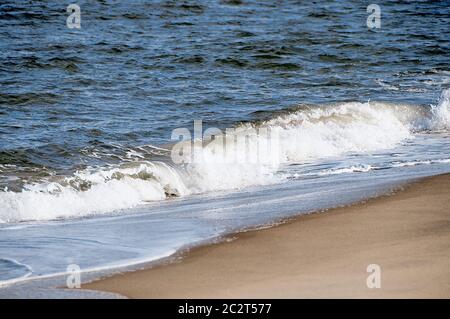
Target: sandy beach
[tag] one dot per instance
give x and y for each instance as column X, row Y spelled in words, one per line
column 323, row 255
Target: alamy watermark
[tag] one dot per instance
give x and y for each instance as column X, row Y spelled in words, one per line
column 240, row 145
column 74, row 276
column 74, row 19
column 374, row 279
column 374, row 19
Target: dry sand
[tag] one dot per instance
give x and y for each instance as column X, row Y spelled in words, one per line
column 322, row 255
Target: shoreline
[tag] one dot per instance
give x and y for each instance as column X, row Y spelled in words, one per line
column 323, row 254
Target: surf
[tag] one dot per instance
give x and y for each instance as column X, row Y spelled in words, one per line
column 305, row 134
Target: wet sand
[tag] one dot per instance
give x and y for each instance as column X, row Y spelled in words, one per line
column 320, row 255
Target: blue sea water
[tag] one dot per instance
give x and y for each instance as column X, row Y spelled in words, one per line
column 87, row 115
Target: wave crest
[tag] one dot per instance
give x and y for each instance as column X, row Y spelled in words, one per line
column 309, row 133
column 441, row 112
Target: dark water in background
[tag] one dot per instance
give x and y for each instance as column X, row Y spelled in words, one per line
column 138, row 69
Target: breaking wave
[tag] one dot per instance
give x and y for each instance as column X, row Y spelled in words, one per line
column 305, row 134
column 441, row 112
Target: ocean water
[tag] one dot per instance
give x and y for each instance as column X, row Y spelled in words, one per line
column 87, row 120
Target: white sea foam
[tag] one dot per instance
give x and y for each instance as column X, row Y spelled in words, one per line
column 441, row 112
column 343, row 170
column 92, row 192
column 418, row 162
column 307, row 134
column 334, row 130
